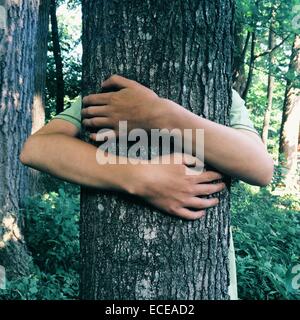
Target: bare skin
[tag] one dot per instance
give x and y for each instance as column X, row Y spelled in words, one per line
column 237, row 153
column 55, row 149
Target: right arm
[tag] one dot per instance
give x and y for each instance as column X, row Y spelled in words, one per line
column 55, row 149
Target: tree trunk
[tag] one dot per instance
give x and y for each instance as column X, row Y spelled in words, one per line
column 239, row 73
column 251, row 66
column 267, row 116
column 16, row 94
column 41, row 49
column 183, row 51
column 290, row 120
column 60, row 84
column 40, row 71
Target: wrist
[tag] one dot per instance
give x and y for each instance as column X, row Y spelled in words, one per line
column 132, row 181
column 169, row 114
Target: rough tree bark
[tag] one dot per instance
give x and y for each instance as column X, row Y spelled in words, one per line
column 16, row 96
column 183, row 51
column 290, row 119
column 60, row 84
column 267, row 116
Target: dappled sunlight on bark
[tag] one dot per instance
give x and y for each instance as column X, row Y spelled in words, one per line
column 11, row 230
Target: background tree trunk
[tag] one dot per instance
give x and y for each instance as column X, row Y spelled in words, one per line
column 241, row 44
column 183, row 51
column 239, row 73
column 251, row 66
column 40, row 72
column 290, row 119
column 16, row 95
column 267, row 116
column 60, row 84
column 41, row 49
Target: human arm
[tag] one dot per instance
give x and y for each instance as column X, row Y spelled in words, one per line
column 235, row 152
column 55, row 149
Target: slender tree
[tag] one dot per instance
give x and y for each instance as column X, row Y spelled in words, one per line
column 40, row 71
column 60, row 84
column 251, row 65
column 41, row 49
column 16, row 96
column 290, row 119
column 183, row 51
column 267, row 116
column 239, row 72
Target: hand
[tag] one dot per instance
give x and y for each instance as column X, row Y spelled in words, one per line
column 175, row 188
column 136, row 104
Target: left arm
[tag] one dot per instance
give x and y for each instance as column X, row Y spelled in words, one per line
column 235, row 152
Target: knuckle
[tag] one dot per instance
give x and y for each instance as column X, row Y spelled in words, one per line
column 193, row 216
column 113, row 99
column 93, row 122
column 192, row 190
column 181, row 201
column 87, row 111
column 207, row 190
column 114, row 77
column 202, row 203
column 109, row 97
column 173, row 210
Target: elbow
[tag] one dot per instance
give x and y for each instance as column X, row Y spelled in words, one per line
column 25, row 155
column 266, row 172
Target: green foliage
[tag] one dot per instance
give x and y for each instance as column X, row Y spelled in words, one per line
column 43, row 286
column 52, row 222
column 266, row 235
column 52, row 235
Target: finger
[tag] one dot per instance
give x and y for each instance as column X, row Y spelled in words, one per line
column 192, row 161
column 102, row 136
column 117, row 82
column 97, row 111
column 200, row 203
column 97, row 99
column 208, row 176
column 189, row 214
column 195, row 171
column 188, row 160
column 208, row 189
column 98, row 122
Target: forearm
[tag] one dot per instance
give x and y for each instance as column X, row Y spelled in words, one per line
column 231, row 151
column 72, row 160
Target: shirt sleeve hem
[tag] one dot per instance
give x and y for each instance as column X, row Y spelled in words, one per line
column 70, row 119
column 244, row 127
